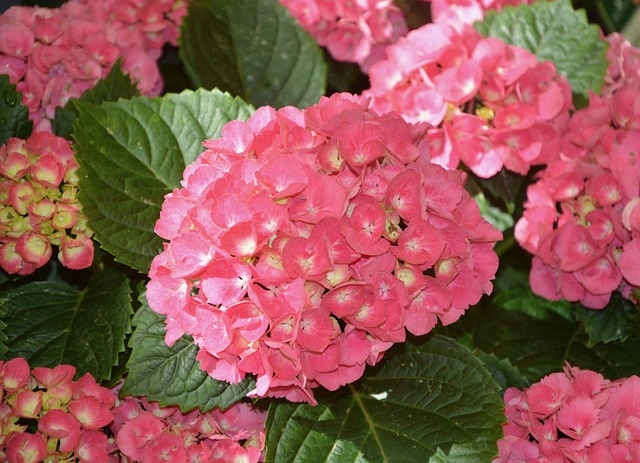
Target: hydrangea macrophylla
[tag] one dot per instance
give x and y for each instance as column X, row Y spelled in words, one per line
column 572, row 416
column 56, row 54
column 592, row 246
column 490, row 105
column 304, row 242
column 69, row 414
column 145, row 432
column 352, row 31
column 38, row 205
column 80, row 421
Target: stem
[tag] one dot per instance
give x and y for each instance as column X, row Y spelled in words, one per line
column 505, row 245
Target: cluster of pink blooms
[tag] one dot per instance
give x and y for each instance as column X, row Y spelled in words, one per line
column 70, row 414
column 80, row 421
column 354, row 31
column 582, row 216
column 145, row 432
column 490, row 105
column 574, row 416
column 305, row 242
column 460, row 13
column 38, row 205
column 53, row 55
column 624, row 64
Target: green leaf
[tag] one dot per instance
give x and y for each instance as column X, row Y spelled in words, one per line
column 51, row 323
column 132, row 153
column 554, row 31
column 14, row 116
column 253, row 49
column 505, row 185
column 523, row 300
column 435, row 399
column 172, row 375
column 116, row 85
column 501, row 220
column 539, row 346
column 514, row 293
column 538, row 336
column 610, row 323
column 502, row 371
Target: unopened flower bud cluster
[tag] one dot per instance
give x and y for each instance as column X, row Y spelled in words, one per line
column 38, row 206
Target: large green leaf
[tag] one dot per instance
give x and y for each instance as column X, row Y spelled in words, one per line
column 14, row 116
column 538, row 347
column 538, row 336
column 514, row 293
column 51, row 323
column 172, row 376
column 505, row 186
column 116, row 85
column 435, row 399
column 502, row 371
column 253, row 49
column 554, row 31
column 611, row 323
column 132, row 153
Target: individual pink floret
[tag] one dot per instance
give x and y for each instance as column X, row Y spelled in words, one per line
column 304, row 243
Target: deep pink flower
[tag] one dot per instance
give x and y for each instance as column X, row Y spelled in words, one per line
column 136, row 434
column 26, row 448
column 146, row 432
column 581, row 218
column 572, row 416
column 334, row 225
column 60, row 425
column 15, row 374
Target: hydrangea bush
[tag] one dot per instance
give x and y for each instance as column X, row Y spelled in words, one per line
column 418, row 244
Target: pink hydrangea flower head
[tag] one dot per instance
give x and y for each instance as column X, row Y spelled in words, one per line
column 53, row 55
column 355, row 32
column 592, row 419
column 38, row 206
column 336, row 240
column 146, row 432
column 79, row 421
column 491, row 105
column 581, row 220
column 64, row 427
